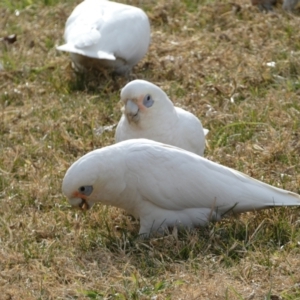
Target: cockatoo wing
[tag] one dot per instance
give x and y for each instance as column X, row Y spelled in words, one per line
column 174, row 179
column 82, row 44
column 190, row 134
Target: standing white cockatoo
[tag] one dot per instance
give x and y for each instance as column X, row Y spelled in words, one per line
column 166, row 186
column 149, row 113
column 102, row 34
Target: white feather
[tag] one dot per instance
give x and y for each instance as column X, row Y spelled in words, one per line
column 162, row 122
column 107, row 34
column 166, row 186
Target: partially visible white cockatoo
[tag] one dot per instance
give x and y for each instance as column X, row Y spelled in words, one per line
column 104, row 34
column 149, row 113
column 166, row 186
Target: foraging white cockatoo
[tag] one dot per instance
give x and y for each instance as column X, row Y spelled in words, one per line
column 149, row 113
column 166, row 186
column 102, row 34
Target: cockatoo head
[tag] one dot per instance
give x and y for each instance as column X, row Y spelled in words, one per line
column 79, row 181
column 89, row 180
column 143, row 101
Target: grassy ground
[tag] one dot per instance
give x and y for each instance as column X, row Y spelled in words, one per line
column 211, row 58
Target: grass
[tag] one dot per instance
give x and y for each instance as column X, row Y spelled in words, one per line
column 211, row 59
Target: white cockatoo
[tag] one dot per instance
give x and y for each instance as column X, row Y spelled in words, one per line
column 149, row 113
column 166, row 186
column 102, row 34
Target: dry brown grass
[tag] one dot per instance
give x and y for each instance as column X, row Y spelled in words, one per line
column 210, row 57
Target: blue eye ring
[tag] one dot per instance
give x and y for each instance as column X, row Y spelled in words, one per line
column 148, row 101
column 86, row 190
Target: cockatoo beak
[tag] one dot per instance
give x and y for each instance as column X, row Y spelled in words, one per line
column 79, row 201
column 132, row 111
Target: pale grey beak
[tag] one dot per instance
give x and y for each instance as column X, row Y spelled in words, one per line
column 132, row 111
column 80, row 203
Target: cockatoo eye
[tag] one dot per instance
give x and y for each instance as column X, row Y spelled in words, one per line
column 86, row 190
column 148, row 101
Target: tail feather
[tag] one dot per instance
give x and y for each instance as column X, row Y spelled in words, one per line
column 268, row 198
column 291, row 199
column 206, row 131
